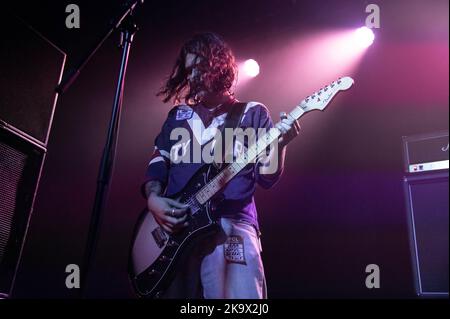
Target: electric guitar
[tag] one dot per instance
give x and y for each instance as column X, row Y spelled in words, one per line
column 155, row 254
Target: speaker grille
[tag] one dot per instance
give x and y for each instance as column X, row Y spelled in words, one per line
column 12, row 164
column 427, row 197
column 20, row 167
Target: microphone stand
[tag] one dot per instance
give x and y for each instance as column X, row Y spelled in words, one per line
column 125, row 23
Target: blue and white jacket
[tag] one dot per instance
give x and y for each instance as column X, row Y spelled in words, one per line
column 201, row 123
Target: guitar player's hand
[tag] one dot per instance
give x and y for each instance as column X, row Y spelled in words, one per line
column 170, row 214
column 289, row 128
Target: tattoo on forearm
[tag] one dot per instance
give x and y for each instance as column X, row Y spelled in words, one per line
column 153, row 187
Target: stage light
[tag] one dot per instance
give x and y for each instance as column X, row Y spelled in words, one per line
column 364, row 37
column 251, row 68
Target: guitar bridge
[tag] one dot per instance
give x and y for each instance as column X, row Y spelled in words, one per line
column 159, row 236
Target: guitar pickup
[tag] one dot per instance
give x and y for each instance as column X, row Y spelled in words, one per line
column 160, row 236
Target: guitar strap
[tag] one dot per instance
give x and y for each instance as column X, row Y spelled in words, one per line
column 232, row 120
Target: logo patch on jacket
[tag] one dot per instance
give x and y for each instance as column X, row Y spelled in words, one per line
column 233, row 250
column 184, row 114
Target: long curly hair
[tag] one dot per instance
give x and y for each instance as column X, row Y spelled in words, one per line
column 216, row 67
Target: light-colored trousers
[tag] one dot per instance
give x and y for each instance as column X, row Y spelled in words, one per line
column 227, row 265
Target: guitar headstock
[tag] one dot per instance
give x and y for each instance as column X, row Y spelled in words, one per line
column 320, row 99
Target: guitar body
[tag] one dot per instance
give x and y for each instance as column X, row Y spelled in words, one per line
column 155, row 255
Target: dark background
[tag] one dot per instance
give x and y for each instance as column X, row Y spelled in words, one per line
column 340, row 204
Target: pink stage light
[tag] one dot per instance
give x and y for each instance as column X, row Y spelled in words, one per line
column 251, row 68
column 302, row 65
column 364, row 37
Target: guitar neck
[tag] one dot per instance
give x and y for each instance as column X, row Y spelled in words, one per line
column 250, row 156
column 317, row 101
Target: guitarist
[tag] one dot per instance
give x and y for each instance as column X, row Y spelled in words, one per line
column 228, row 264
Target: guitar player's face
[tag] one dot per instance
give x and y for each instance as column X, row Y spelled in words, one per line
column 190, row 65
column 194, row 79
